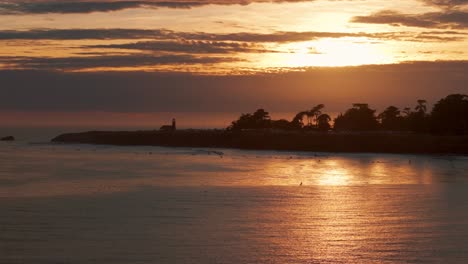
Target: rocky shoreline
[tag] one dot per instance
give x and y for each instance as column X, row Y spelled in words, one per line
column 7, row 138
column 404, row 143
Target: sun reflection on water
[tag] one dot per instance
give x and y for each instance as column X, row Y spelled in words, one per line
column 340, row 171
column 89, row 169
column 335, row 177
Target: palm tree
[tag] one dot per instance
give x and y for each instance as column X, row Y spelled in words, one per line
column 315, row 112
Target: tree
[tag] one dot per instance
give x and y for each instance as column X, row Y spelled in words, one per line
column 309, row 116
column 407, row 111
column 323, row 122
column 450, row 115
column 282, row 124
column 421, row 107
column 418, row 121
column 312, row 117
column 315, row 112
column 391, row 119
column 261, row 115
column 297, row 121
column 358, row 118
column 259, row 119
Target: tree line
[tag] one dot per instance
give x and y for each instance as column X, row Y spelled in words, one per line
column 448, row 116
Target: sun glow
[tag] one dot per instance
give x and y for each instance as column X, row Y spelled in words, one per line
column 337, row 52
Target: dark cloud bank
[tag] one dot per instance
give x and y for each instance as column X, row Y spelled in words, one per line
column 197, row 47
column 446, row 3
column 450, row 16
column 13, row 7
column 18, row 7
column 137, row 60
column 163, row 34
column 451, row 19
column 399, row 84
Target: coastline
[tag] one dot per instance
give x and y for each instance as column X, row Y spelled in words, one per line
column 366, row 142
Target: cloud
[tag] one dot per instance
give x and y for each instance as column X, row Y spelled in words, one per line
column 279, row 36
column 12, row 7
column 162, row 34
column 189, row 46
column 443, row 20
column 77, row 34
column 446, row 3
column 17, row 7
column 137, row 60
column 20, row 7
column 425, row 36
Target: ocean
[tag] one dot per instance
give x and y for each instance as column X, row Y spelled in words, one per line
column 108, row 204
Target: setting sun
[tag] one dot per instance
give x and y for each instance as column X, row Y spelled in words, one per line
column 349, row 52
column 330, row 52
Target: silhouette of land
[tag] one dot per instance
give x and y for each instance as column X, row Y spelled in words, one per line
column 7, row 138
column 280, row 140
column 444, row 130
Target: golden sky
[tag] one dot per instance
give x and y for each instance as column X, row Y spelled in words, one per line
column 219, row 36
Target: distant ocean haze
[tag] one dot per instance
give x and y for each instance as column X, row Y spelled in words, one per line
column 104, row 120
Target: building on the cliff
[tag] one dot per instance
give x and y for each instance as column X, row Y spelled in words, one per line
column 169, row 128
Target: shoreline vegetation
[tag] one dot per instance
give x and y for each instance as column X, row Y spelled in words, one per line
column 442, row 131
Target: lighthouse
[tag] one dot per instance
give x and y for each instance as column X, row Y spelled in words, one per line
column 169, row 128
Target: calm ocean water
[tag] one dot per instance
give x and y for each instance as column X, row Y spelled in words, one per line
column 107, row 204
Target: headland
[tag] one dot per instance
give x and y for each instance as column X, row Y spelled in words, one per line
column 373, row 142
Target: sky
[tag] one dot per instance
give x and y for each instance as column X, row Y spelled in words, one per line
column 142, row 62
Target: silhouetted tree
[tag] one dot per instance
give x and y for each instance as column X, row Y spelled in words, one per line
column 359, row 118
column 391, row 119
column 261, row 115
column 281, row 124
column 311, row 115
column 323, row 122
column 314, row 113
column 241, row 123
column 450, row 115
column 259, row 119
column 297, row 122
column 418, row 121
column 406, row 111
column 421, row 107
